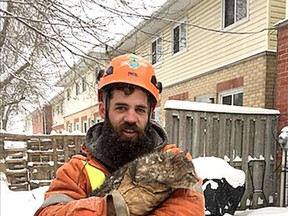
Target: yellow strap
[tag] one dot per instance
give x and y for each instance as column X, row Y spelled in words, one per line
column 96, row 176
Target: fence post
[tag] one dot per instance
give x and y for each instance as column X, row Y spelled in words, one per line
column 182, row 130
column 2, row 154
column 197, row 148
column 168, row 124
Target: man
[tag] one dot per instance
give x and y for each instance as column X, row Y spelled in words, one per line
column 128, row 92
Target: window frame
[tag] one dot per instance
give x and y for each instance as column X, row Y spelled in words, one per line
column 84, row 84
column 231, row 92
column 159, row 53
column 68, row 94
column 182, row 22
column 235, row 22
column 76, row 126
column 77, row 89
column 85, row 126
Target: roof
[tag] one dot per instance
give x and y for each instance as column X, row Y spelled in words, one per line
column 95, row 57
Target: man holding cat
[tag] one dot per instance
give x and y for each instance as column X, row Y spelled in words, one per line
column 128, row 92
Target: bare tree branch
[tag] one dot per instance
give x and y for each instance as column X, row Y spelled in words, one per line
column 39, row 40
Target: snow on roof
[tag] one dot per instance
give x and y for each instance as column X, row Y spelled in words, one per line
column 14, row 144
column 219, row 108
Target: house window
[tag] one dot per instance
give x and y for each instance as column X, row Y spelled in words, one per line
column 233, row 97
column 69, row 127
column 84, row 127
column 61, row 109
column 83, row 84
column 58, row 110
column 77, row 88
column 68, row 94
column 179, row 37
column 76, row 126
column 156, row 50
column 234, row 11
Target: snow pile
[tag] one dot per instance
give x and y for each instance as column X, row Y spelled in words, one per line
column 19, row 202
column 217, row 168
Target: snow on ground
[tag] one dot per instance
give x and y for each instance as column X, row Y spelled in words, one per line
column 268, row 211
column 23, row 203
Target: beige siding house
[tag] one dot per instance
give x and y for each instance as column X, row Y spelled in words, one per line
column 219, row 51
column 76, row 108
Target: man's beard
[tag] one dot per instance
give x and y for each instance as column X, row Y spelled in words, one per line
column 115, row 150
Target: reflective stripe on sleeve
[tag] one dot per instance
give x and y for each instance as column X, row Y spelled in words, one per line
column 55, row 199
column 96, row 176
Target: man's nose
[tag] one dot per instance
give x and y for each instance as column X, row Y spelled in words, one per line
column 130, row 116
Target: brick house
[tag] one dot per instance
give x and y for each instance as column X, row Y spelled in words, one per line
column 75, row 108
column 42, row 120
column 282, row 71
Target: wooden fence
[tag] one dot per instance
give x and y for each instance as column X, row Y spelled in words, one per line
column 243, row 136
column 32, row 161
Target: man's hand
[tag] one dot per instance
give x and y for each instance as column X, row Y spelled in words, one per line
column 138, row 199
column 149, row 180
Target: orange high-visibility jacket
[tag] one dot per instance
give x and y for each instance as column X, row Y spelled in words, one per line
column 67, row 194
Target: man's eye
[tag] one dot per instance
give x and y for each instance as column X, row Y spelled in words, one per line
column 140, row 110
column 120, row 108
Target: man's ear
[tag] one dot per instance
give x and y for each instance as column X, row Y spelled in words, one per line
column 102, row 109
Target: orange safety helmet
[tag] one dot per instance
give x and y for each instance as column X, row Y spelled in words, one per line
column 130, row 69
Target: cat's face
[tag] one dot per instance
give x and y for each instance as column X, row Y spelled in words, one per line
column 173, row 170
